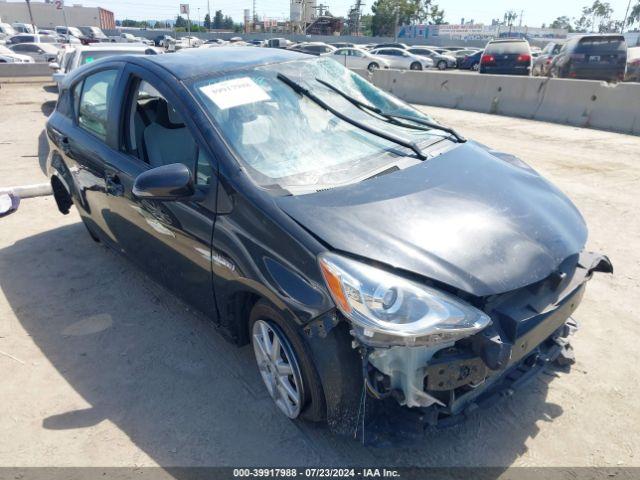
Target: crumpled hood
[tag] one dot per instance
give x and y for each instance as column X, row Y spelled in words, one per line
column 479, row 222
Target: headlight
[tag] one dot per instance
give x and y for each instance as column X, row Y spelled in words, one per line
column 391, row 310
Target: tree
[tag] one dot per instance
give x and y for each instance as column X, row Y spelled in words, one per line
column 227, row 23
column 180, row 22
column 510, row 16
column 218, row 19
column 407, row 12
column 436, row 15
column 365, row 25
column 634, row 15
column 207, row 22
column 596, row 17
column 562, row 22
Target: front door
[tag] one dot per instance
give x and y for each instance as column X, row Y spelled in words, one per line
column 169, row 239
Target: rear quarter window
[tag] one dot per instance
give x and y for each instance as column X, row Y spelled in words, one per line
column 63, row 106
column 507, row 48
column 93, row 110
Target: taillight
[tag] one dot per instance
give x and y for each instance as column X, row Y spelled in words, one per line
column 487, row 59
column 524, row 58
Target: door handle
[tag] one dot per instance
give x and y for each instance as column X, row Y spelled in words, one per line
column 64, row 145
column 113, row 184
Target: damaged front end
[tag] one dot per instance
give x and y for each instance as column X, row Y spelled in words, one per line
column 443, row 356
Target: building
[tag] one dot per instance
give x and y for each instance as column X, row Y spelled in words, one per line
column 46, row 15
column 303, row 11
column 478, row 31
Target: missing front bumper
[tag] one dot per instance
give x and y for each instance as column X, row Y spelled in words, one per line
column 454, row 405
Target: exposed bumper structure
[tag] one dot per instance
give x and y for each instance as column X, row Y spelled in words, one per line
column 530, row 329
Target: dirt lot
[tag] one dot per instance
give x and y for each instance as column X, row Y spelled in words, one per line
column 101, row 366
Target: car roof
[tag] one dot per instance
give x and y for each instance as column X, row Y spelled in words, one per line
column 39, row 44
column 113, row 46
column 197, row 62
column 509, row 40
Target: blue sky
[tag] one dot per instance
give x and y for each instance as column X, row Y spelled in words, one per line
column 535, row 12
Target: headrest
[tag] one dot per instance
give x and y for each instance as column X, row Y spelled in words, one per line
column 167, row 116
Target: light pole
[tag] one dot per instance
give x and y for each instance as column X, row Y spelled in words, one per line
column 395, row 24
column 33, row 25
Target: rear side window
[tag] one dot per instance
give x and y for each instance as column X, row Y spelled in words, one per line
column 64, row 103
column 601, row 45
column 507, row 48
column 93, row 110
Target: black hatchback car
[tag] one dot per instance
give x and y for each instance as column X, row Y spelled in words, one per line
column 506, row 57
column 344, row 234
column 592, row 57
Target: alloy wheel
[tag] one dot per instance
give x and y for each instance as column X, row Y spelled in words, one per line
column 278, row 367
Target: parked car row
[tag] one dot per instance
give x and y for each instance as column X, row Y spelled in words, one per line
column 71, row 58
column 24, row 33
column 589, row 57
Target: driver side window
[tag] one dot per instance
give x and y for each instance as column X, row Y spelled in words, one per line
column 158, row 135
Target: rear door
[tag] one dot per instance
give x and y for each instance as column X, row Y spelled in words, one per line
column 170, row 240
column 85, row 142
column 394, row 57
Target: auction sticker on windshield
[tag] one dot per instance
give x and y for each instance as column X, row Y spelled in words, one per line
column 235, row 92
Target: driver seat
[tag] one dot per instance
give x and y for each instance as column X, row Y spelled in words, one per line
column 167, row 139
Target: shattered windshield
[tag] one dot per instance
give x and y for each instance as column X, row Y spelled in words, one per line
column 284, row 139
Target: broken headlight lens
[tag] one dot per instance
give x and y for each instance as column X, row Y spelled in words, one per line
column 388, row 309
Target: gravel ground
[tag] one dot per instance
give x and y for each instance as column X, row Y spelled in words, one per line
column 101, row 366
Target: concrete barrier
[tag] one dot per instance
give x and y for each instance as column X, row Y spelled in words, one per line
column 29, row 191
column 13, row 70
column 581, row 103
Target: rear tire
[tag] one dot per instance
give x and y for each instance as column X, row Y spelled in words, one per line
column 415, row 66
column 442, row 65
column 475, row 67
column 373, row 66
column 312, row 404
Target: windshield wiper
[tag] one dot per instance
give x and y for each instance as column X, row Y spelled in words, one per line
column 296, row 87
column 393, row 117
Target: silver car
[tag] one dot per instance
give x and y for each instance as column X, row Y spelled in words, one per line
column 40, row 52
column 9, row 56
column 359, row 59
column 441, row 61
column 403, row 59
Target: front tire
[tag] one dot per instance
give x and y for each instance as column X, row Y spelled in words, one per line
column 475, row 67
column 442, row 65
column 415, row 66
column 285, row 364
column 373, row 66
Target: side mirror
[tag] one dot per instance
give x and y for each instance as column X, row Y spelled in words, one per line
column 54, row 66
column 168, row 182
